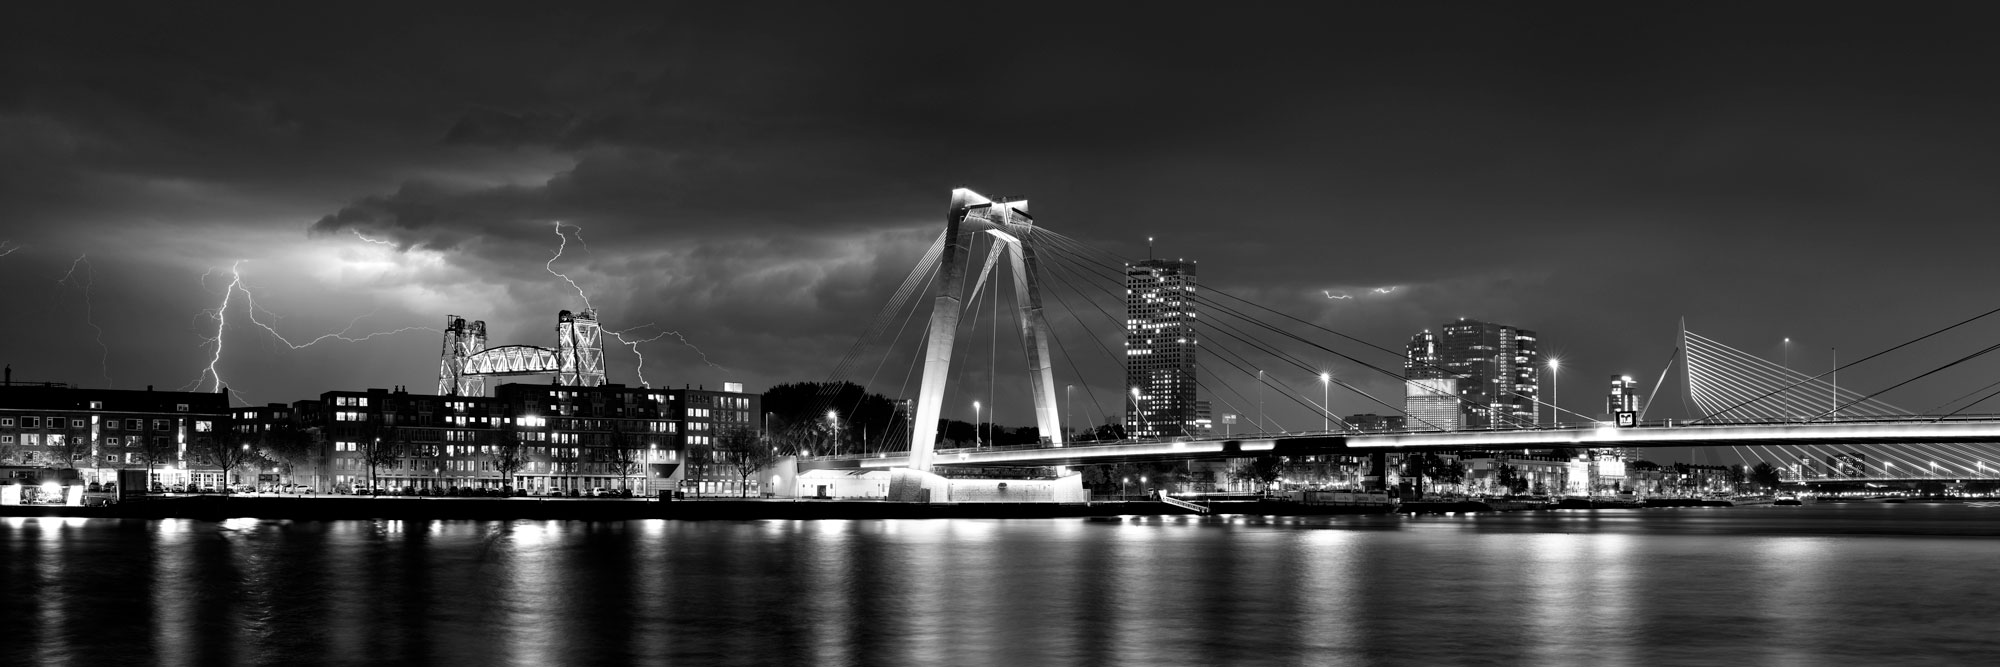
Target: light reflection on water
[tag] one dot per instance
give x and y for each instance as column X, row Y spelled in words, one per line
column 1825, row 584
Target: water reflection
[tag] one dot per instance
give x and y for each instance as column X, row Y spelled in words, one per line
column 1602, row 588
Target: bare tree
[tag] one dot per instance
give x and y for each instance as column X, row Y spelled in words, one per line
column 746, row 452
column 290, row 449
column 155, row 451
column 508, row 452
column 222, row 453
column 622, row 459
column 65, row 450
column 699, row 457
column 381, row 452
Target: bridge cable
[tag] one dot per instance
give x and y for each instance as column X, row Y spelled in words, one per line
column 1898, row 347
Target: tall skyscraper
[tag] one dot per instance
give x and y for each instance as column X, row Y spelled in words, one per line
column 1624, row 396
column 1160, row 349
column 1495, row 367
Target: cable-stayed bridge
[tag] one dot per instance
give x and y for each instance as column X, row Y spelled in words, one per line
column 1052, row 338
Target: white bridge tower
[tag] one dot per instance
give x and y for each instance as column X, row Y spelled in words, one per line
column 1013, row 229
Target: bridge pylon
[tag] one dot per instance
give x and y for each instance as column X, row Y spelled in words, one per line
column 1012, row 228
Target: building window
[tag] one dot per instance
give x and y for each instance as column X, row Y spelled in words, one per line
column 135, row 424
column 204, row 426
column 7, row 421
column 180, row 407
column 161, row 425
column 6, row 439
column 31, row 422
column 77, row 423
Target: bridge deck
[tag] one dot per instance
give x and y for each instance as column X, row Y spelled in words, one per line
column 1880, row 432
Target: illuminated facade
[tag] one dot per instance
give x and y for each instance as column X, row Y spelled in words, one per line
column 1160, row 348
column 55, row 431
column 538, row 438
column 1432, row 404
column 1495, row 366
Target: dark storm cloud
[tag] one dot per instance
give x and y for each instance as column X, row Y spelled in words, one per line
column 761, row 176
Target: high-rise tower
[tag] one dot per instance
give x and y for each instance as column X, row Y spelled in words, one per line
column 1160, row 347
column 1624, row 396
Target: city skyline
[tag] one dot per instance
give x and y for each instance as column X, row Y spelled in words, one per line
column 753, row 195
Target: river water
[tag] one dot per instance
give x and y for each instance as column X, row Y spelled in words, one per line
column 1826, row 584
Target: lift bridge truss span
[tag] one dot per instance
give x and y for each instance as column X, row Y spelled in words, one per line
column 576, row 360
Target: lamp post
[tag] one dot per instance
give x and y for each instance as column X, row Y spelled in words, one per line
column 1555, row 392
column 1260, row 400
column 833, row 422
column 1788, row 379
column 1326, row 411
column 1123, row 492
column 1135, row 414
column 975, row 425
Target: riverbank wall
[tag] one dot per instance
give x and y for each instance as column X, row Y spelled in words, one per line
column 590, row 509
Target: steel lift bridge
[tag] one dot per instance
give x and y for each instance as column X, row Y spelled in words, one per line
column 576, row 360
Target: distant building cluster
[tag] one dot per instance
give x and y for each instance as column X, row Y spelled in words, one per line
column 1472, row 375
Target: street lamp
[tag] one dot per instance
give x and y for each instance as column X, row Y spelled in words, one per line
column 1260, row 400
column 975, row 425
column 1788, row 379
column 833, row 422
column 1555, row 392
column 1136, row 415
column 1326, row 411
column 1124, row 493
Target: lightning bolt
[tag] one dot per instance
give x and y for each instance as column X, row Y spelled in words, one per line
column 89, row 310
column 550, row 266
column 221, row 316
column 634, row 344
column 250, row 307
column 1343, row 295
column 357, row 234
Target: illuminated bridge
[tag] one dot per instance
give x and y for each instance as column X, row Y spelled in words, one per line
column 1959, row 435
column 1073, row 320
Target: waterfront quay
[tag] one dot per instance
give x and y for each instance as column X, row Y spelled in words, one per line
column 220, row 507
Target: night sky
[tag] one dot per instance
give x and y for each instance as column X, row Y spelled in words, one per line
column 759, row 178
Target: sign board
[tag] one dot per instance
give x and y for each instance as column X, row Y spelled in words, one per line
column 1627, row 419
column 1229, row 419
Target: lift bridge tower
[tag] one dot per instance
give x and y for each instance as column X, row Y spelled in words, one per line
column 577, row 360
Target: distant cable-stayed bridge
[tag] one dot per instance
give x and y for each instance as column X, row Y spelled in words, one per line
column 1062, row 313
